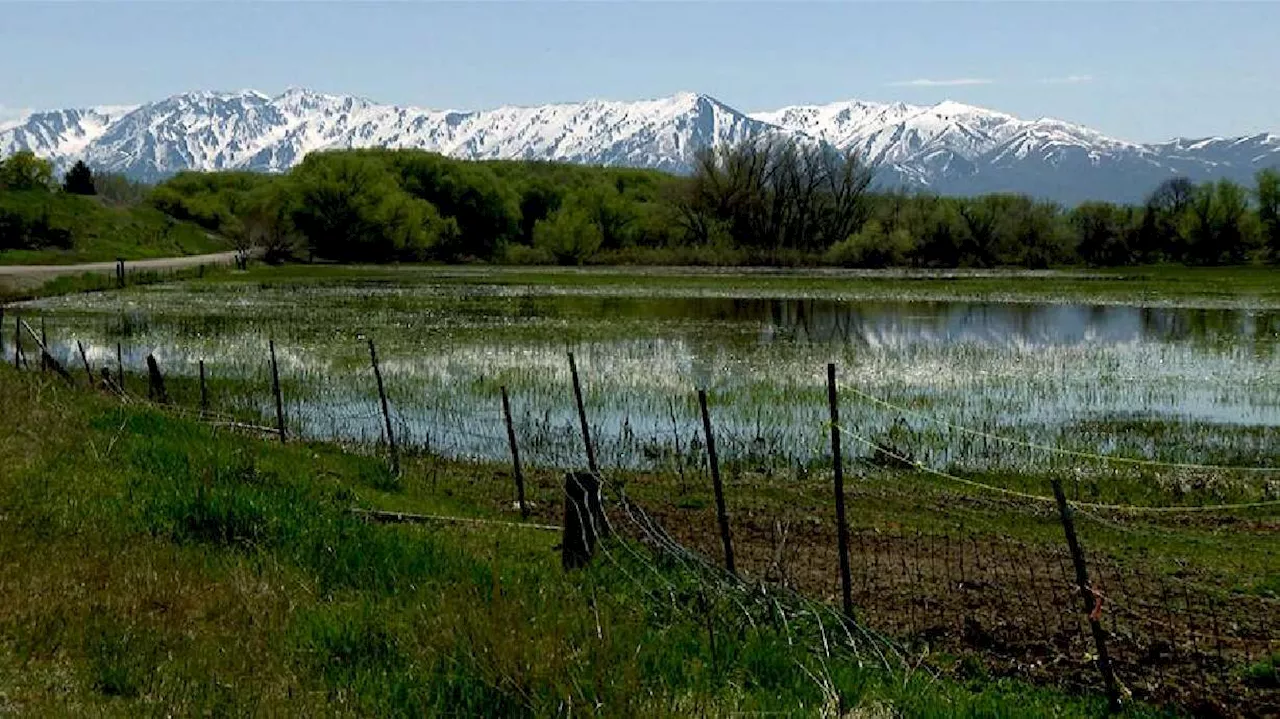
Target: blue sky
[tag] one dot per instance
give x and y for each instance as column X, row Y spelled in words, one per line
column 1138, row 71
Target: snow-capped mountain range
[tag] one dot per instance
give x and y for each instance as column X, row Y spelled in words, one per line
column 949, row 148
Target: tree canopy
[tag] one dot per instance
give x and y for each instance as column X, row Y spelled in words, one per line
column 766, row 201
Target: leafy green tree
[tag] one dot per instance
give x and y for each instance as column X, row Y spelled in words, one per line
column 350, row 208
column 486, row 210
column 1160, row 235
column 267, row 223
column 1269, row 209
column 874, row 246
column 116, row 189
column 537, row 201
column 79, row 180
column 24, row 171
column 1219, row 225
column 1102, row 233
column 569, row 235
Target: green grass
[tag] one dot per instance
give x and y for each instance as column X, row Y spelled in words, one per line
column 152, row 565
column 102, row 233
column 1165, row 284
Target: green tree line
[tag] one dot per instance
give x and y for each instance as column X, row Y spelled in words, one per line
column 761, row 202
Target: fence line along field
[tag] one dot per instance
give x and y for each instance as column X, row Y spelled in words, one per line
column 1160, row 424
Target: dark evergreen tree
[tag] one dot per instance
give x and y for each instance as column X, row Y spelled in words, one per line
column 79, row 180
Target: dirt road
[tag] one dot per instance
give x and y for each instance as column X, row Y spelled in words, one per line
column 165, row 263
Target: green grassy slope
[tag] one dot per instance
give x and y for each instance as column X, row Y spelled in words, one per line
column 101, row 233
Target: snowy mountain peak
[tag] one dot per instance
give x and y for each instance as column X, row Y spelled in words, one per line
column 948, row 147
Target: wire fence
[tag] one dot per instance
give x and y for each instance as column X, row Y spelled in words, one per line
column 1004, row 605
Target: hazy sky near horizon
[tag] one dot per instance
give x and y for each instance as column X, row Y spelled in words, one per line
column 1137, row 71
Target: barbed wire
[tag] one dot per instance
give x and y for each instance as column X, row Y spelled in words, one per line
column 1041, row 498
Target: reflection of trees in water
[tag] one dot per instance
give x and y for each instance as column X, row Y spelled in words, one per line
column 811, row 321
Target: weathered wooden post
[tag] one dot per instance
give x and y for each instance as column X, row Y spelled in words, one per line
column 722, row 515
column 578, row 543
column 582, row 417
column 119, row 272
column 47, row 358
column 1086, row 594
column 120, row 367
column 837, row 464
column 88, row 371
column 156, row 390
column 515, row 453
column 275, row 389
column 386, row 410
column 204, row 394
column 44, row 347
column 17, row 341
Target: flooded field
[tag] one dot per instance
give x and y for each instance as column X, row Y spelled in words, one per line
column 1171, row 381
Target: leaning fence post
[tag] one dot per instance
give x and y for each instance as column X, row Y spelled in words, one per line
column 1086, row 593
column 46, row 357
column 722, row 515
column 515, row 453
column 156, row 390
column 386, row 410
column 204, row 394
column 275, row 389
column 837, row 464
column 582, row 417
column 44, row 343
column 88, row 372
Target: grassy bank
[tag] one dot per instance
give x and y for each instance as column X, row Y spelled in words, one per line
column 96, row 232
column 155, row 566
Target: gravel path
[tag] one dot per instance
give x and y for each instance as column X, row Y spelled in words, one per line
column 166, row 263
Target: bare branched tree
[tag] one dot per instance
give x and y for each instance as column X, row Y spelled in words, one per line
column 776, row 193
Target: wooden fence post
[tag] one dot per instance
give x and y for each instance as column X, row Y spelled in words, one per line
column 722, row 515
column 120, row 367
column 275, row 389
column 582, row 417
column 88, row 371
column 602, row 526
column 156, row 390
column 1086, row 594
column 837, row 464
column 386, row 410
column 204, row 394
column 581, row 522
column 515, row 453
column 120, row 272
